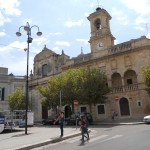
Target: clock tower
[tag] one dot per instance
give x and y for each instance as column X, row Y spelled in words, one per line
column 101, row 37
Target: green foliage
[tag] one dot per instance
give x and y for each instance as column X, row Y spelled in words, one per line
column 16, row 100
column 94, row 87
column 87, row 86
column 146, row 74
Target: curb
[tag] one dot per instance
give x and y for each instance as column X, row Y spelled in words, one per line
column 28, row 147
column 115, row 123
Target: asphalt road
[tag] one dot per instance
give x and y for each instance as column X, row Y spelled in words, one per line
column 123, row 137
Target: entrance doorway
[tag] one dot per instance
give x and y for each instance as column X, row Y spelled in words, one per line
column 44, row 112
column 124, row 107
column 67, row 111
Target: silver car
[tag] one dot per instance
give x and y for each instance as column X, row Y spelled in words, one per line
column 146, row 119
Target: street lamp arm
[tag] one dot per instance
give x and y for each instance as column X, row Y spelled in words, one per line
column 21, row 27
column 19, row 33
column 38, row 33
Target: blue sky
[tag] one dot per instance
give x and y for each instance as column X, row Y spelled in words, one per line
column 64, row 26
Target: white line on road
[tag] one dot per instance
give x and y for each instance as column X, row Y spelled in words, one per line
column 114, row 137
column 98, row 138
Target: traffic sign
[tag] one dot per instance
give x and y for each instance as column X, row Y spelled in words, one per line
column 116, row 98
column 75, row 102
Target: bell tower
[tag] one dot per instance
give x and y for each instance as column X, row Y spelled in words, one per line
column 101, row 37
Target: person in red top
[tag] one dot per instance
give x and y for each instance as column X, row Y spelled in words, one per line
column 84, row 130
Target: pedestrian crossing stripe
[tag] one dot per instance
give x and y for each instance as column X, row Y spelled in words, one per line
column 114, row 137
column 102, row 138
column 97, row 138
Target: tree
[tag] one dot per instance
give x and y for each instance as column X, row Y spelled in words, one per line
column 146, row 75
column 50, row 92
column 72, row 85
column 66, row 83
column 94, row 87
column 16, row 100
column 87, row 86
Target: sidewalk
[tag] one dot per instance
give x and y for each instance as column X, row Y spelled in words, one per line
column 123, row 121
column 43, row 135
column 37, row 136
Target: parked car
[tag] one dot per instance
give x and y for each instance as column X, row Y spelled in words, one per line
column 72, row 119
column 50, row 120
column 146, row 119
column 75, row 118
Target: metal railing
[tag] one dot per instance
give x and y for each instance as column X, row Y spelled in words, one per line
column 121, row 89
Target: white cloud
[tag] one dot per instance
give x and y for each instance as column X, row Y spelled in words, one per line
column 63, row 43
column 40, row 40
column 15, row 45
column 148, row 35
column 56, row 49
column 120, row 16
column 2, row 33
column 19, row 45
column 86, row 14
column 140, row 28
column 73, row 23
column 9, row 7
column 116, row 42
column 140, row 7
column 57, row 33
column 3, row 19
column 35, row 50
column 142, row 19
column 85, row 41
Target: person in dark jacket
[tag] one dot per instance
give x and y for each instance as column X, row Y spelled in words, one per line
column 61, row 123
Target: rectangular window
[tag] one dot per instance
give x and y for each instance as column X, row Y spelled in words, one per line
column 129, row 81
column 139, row 103
column 101, row 109
column 83, row 109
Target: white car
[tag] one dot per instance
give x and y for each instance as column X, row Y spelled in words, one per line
column 146, row 119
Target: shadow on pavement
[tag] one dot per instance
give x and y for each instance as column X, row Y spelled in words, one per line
column 6, row 131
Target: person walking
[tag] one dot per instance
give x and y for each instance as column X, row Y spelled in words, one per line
column 61, row 123
column 84, row 129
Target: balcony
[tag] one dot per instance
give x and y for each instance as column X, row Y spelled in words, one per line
column 127, row 88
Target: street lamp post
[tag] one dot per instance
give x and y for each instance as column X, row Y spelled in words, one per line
column 28, row 29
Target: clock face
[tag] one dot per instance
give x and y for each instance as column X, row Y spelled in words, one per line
column 99, row 46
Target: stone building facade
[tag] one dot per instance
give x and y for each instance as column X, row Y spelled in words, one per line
column 122, row 63
column 8, row 84
column 47, row 63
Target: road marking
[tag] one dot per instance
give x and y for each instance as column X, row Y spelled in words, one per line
column 75, row 139
column 102, row 138
column 111, row 138
column 95, row 139
column 98, row 138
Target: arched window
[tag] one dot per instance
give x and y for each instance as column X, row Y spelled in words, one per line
column 44, row 70
column 98, row 24
column 130, row 77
